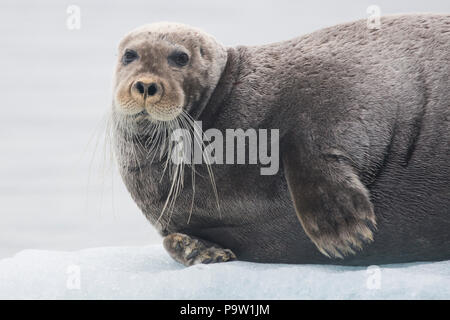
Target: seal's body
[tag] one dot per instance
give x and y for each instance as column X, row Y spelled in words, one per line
column 364, row 120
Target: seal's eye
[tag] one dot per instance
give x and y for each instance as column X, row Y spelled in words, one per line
column 129, row 56
column 179, row 58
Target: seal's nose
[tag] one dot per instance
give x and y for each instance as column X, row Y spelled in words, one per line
column 146, row 88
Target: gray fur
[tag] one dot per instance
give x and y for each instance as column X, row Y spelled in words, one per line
column 364, row 119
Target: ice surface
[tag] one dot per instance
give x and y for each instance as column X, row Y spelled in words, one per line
column 149, row 273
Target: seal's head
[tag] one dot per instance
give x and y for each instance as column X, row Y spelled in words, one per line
column 165, row 68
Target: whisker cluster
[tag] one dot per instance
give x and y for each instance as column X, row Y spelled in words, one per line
column 137, row 140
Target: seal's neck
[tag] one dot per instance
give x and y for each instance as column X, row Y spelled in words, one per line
column 224, row 87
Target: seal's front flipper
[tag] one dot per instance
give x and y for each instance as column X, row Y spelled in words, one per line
column 331, row 202
column 190, row 251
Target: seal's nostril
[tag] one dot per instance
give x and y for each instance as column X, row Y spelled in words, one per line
column 152, row 89
column 140, row 87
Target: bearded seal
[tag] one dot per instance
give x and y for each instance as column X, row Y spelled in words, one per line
column 364, row 142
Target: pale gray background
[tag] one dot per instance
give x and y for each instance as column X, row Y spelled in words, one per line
column 55, row 88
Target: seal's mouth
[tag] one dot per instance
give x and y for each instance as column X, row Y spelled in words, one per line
column 141, row 115
column 136, row 110
column 167, row 114
column 153, row 113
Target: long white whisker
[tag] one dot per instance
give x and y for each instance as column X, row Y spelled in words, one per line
column 127, row 133
column 198, row 134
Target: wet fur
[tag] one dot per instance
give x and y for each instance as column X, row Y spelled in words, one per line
column 364, row 119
